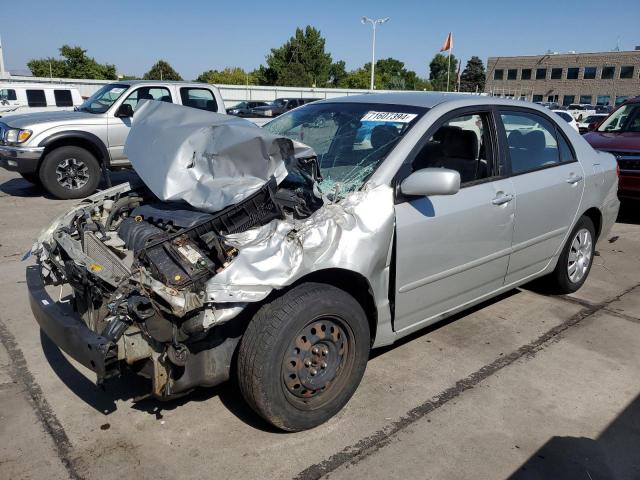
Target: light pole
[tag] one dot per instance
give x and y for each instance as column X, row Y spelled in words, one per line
column 373, row 23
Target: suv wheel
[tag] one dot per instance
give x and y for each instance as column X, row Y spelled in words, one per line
column 70, row 172
column 303, row 356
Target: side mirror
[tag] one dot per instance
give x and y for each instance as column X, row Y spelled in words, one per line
column 592, row 126
column 431, row 181
column 125, row 110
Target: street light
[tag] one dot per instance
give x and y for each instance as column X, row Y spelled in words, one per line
column 373, row 23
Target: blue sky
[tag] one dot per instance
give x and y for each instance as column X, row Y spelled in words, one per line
column 199, row 35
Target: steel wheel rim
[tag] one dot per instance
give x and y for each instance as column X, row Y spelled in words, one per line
column 72, row 174
column 315, row 359
column 580, row 253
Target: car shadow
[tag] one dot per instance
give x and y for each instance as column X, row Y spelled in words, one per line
column 611, row 455
column 629, row 212
column 19, row 187
column 132, row 387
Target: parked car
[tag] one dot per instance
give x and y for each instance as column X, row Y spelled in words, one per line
column 619, row 134
column 604, row 109
column 550, row 105
column 591, row 122
column 16, row 98
column 67, row 152
column 580, row 110
column 243, row 109
column 285, row 261
column 566, row 116
column 279, row 106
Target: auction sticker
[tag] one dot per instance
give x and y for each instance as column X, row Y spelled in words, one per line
column 397, row 117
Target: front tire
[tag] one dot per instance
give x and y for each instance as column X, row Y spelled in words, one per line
column 574, row 263
column 70, row 172
column 303, row 356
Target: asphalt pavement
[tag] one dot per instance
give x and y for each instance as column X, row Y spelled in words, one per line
column 525, row 386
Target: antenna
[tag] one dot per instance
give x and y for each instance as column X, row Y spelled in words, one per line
column 617, row 49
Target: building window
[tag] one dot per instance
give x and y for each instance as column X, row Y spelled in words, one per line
column 586, row 99
column 621, row 99
column 512, row 74
column 498, row 74
column 589, row 73
column 556, row 73
column 537, row 98
column 541, row 73
column 572, row 73
column 526, row 74
column 552, row 98
column 36, row 98
column 63, row 98
column 603, row 100
column 568, row 100
column 626, row 71
column 608, row 73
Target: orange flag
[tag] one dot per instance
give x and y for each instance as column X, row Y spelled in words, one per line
column 448, row 43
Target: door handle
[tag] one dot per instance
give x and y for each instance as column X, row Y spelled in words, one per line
column 502, row 199
column 573, row 179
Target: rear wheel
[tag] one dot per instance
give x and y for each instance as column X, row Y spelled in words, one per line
column 303, row 356
column 574, row 263
column 70, row 172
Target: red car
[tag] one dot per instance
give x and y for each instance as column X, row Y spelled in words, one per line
column 619, row 134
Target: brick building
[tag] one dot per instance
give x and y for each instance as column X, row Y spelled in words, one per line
column 595, row 78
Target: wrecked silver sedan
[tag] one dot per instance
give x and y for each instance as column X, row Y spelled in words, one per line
column 284, row 254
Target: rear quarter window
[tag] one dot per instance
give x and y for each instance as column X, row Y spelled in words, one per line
column 63, row 98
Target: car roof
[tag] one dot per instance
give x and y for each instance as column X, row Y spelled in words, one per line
column 163, row 82
column 429, row 99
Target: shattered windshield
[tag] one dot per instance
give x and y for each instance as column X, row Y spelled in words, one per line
column 350, row 139
column 102, row 100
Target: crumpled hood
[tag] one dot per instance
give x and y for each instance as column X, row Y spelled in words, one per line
column 207, row 159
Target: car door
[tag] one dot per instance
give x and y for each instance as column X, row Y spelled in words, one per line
column 451, row 250
column 548, row 183
column 118, row 127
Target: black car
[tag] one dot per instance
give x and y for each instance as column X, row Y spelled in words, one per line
column 280, row 105
column 244, row 108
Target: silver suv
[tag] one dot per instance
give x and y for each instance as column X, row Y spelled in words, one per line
column 67, row 152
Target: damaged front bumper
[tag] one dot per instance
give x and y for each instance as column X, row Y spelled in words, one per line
column 69, row 332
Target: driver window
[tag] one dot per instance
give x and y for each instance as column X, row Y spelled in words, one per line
column 148, row 93
column 462, row 144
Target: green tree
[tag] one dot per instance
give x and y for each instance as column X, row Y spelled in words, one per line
column 390, row 74
column 438, row 72
column 300, row 62
column 162, row 71
column 74, row 64
column 337, row 74
column 228, row 76
column 473, row 76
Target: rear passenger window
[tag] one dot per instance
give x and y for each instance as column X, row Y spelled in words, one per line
column 63, row 98
column 201, row 98
column 462, row 144
column 36, row 98
column 532, row 141
column 566, row 155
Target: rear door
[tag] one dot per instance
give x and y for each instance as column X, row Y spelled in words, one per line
column 548, row 183
column 451, row 250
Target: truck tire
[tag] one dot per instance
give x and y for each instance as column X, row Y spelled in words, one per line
column 303, row 356
column 70, row 172
column 576, row 258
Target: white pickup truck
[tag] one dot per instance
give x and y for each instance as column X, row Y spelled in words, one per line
column 67, row 152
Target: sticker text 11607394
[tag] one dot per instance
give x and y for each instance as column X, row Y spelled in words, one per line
column 397, row 117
